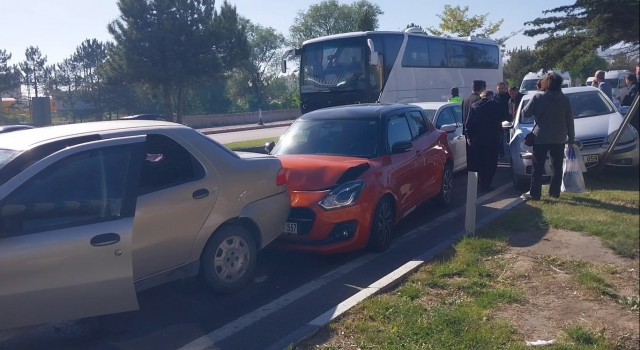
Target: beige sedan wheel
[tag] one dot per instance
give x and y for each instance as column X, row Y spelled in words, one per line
column 229, row 259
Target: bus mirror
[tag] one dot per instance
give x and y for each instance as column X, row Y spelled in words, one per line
column 373, row 58
column 283, row 66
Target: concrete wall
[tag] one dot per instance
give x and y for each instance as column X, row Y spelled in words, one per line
column 215, row 120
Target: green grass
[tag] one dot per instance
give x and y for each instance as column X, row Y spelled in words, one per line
column 243, row 145
column 402, row 321
column 609, row 209
column 583, row 338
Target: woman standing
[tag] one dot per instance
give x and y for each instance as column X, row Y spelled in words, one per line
column 553, row 128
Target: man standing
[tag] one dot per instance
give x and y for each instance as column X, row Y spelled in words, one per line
column 632, row 84
column 477, row 87
column 455, row 98
column 502, row 97
column 484, row 130
column 602, row 84
column 514, row 101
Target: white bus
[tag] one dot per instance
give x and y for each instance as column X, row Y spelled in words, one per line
column 376, row 66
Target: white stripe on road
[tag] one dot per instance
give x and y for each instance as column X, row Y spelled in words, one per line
column 240, row 323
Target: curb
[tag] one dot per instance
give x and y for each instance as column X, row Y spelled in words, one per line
column 387, row 282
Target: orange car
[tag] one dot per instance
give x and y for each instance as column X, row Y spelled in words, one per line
column 355, row 171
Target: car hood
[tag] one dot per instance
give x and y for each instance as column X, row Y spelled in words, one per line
column 312, row 172
column 590, row 127
column 597, row 126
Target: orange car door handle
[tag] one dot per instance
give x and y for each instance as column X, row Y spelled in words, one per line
column 201, row 193
column 105, row 239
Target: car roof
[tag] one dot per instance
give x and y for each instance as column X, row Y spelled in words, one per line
column 14, row 127
column 433, row 105
column 25, row 139
column 370, row 111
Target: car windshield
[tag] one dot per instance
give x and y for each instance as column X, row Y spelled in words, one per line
column 589, row 103
column 583, row 105
column 529, row 85
column 6, row 156
column 346, row 137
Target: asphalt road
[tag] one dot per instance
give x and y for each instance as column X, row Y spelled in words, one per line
column 290, row 290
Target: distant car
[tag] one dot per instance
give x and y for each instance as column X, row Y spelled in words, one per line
column 355, row 171
column 448, row 118
column 16, row 127
column 145, row 117
column 91, row 213
column 596, row 122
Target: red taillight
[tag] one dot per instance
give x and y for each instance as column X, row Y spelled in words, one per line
column 281, row 179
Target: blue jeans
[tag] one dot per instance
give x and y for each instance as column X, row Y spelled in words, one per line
column 540, row 151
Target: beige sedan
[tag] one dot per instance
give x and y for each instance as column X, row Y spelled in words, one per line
column 92, row 213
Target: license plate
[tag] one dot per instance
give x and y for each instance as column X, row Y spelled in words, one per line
column 290, row 228
column 592, row 158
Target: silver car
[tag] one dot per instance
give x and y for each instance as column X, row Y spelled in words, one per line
column 92, row 213
column 596, row 122
column 447, row 117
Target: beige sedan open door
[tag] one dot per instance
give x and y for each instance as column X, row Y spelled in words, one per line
column 66, row 234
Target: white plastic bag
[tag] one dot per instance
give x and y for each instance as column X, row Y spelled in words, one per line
column 572, row 169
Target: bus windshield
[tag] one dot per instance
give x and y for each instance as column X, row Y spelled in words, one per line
column 333, row 65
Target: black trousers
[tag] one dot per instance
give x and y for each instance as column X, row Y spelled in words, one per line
column 556, row 151
column 483, row 158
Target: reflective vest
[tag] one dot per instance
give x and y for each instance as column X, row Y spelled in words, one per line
column 456, row 99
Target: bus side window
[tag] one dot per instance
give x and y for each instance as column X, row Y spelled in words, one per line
column 437, row 53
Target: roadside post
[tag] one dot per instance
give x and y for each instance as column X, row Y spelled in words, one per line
column 260, row 116
column 472, row 197
column 633, row 110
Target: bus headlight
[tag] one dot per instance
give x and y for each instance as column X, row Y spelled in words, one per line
column 342, row 196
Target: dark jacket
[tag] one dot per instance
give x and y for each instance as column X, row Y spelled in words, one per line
column 631, row 94
column 484, row 126
column 466, row 107
column 514, row 103
column 553, row 116
column 503, row 102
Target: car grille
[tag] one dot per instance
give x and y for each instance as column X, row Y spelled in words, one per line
column 595, row 142
column 304, row 217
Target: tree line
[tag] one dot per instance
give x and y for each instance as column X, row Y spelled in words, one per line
column 189, row 57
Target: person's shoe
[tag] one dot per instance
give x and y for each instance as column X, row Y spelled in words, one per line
column 528, row 197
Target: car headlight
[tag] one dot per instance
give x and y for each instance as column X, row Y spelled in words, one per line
column 342, row 196
column 629, row 134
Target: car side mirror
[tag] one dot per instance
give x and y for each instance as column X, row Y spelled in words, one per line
column 448, row 128
column 507, row 125
column 401, row 147
column 269, row 146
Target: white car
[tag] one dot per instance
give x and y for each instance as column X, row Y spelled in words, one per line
column 596, row 121
column 447, row 117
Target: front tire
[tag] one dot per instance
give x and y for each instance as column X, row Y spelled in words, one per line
column 446, row 187
column 382, row 227
column 228, row 260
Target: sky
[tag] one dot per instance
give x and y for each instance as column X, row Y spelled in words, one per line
column 57, row 27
